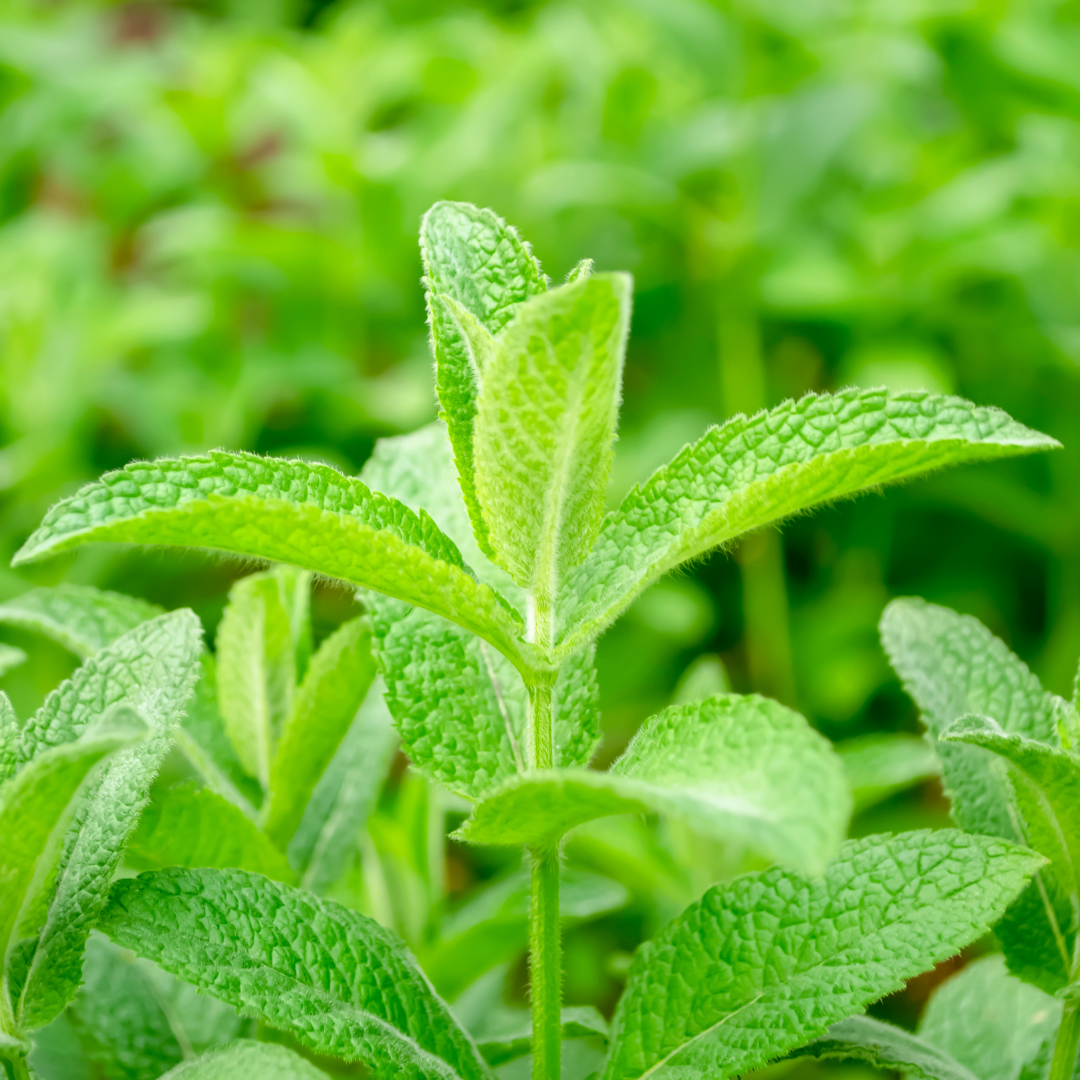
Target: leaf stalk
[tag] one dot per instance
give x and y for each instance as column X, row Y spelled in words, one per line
column 1068, row 1036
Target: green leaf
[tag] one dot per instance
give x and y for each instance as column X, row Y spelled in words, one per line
column 10, row 736
column 192, row 826
column 545, row 424
column 951, row 665
column 10, row 657
column 81, row 619
column 887, row 1048
column 325, row 705
column 344, row 796
column 880, row 765
column 247, row 1061
column 750, row 472
column 476, row 270
column 460, row 706
column 256, row 670
column 995, row 1025
column 491, row 927
column 735, row 767
column 36, row 806
column 336, row 980
column 151, row 669
column 135, row 1021
column 772, row 960
column 293, row 512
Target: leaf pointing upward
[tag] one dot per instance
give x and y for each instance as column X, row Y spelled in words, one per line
column 310, row 516
column 752, row 471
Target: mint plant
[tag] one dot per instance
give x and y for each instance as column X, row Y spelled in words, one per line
column 489, row 567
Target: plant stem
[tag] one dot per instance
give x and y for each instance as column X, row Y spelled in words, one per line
column 1061, row 1068
column 545, row 948
column 545, row 966
column 20, row 1070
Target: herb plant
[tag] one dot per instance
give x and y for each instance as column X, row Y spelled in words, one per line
column 485, row 598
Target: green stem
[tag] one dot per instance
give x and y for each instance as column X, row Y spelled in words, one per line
column 19, row 1069
column 1061, row 1068
column 545, row 966
column 545, row 948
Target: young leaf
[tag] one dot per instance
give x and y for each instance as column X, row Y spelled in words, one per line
column 256, row 670
column 191, row 826
column 10, row 735
column 247, row 1061
column 545, row 424
column 286, row 511
column 880, row 765
column 886, row 1048
column 153, row 670
column 135, row 1021
column 324, row 707
column 750, row 472
column 771, row 961
column 477, row 270
column 335, row 979
column 951, row 665
column 993, row 1024
column 733, row 766
column 81, row 619
column 344, row 796
column 10, row 657
column 36, row 805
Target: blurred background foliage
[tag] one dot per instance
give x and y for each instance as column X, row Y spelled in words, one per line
column 208, row 220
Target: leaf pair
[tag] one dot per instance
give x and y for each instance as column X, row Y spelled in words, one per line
column 752, row 970
column 76, row 777
column 1000, row 737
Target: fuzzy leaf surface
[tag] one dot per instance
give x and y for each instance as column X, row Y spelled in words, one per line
column 952, row 666
column 995, row 1025
column 247, row 1060
column 80, row 618
column 750, row 472
column 545, row 424
column 336, row 980
column 344, row 796
column 256, row 670
column 35, row 805
column 885, row 1047
column 10, row 736
column 772, row 960
column 195, row 827
column 309, row 516
column 152, row 669
column 476, row 267
column 324, row 707
column 733, row 766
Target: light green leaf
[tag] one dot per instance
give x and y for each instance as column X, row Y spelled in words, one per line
column 491, row 927
column 293, row 512
column 344, row 796
column 135, row 1021
column 888, row 1048
column 78, row 617
column 880, row 765
column 476, row 270
column 507, row 1033
column 750, row 472
column 247, row 1061
column 324, row 707
column 256, row 670
column 295, row 588
column 10, row 736
column 735, row 767
column 191, row 826
column 460, row 705
column 770, row 961
column 151, row 669
column 336, row 980
column 35, row 808
column 10, row 657
column 545, row 424
column 951, row 665
column 995, row 1025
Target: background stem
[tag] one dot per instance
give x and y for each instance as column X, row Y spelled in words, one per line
column 1061, row 1068
column 545, row 966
